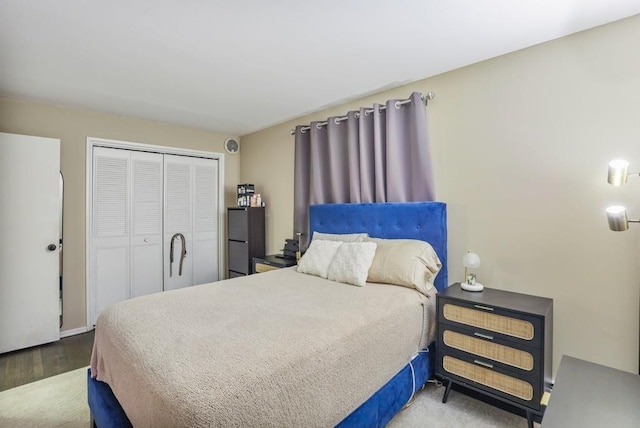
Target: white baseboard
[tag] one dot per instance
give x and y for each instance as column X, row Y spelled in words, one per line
column 73, row 332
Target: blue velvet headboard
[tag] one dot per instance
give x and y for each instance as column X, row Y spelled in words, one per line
column 426, row 221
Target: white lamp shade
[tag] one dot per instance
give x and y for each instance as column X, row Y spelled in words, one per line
column 471, row 260
column 617, row 174
column 617, row 217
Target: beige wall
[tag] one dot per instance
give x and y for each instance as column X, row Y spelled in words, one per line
column 72, row 127
column 520, row 146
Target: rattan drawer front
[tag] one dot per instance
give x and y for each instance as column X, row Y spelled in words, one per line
column 493, row 351
column 261, row 267
column 484, row 376
column 515, row 327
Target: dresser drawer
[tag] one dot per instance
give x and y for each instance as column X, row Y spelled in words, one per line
column 238, row 220
column 516, row 327
column 239, row 257
column 520, row 359
column 523, row 390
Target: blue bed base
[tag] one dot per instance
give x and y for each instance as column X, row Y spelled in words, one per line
column 426, row 221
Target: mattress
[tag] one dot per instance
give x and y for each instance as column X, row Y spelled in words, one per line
column 276, row 349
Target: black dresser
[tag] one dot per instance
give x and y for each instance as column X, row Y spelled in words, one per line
column 246, row 238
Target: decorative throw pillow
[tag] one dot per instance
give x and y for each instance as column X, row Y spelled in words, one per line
column 407, row 262
column 351, row 263
column 344, row 237
column 318, row 257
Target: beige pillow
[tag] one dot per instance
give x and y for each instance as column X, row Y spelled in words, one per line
column 407, row 262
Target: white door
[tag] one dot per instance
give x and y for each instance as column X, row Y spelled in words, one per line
column 138, row 202
column 205, row 221
column 178, row 203
column 29, row 254
column 191, row 210
column 146, row 223
column 110, row 228
column 127, row 225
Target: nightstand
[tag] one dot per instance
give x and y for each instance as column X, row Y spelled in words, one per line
column 497, row 343
column 272, row 262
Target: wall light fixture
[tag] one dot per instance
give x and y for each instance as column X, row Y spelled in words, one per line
column 617, row 214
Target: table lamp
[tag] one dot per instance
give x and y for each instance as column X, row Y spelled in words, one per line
column 471, row 261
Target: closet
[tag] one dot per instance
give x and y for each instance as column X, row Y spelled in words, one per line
column 154, row 224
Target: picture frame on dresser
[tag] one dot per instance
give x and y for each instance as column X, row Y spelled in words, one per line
column 496, row 343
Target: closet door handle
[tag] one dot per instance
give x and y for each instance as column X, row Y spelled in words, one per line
column 52, row 247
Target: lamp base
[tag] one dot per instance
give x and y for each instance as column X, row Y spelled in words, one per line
column 475, row 287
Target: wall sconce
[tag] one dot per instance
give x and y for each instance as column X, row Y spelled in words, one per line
column 618, row 172
column 471, row 261
column 617, row 176
column 617, row 217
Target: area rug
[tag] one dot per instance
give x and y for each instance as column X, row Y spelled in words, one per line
column 57, row 401
column 428, row 410
column 61, row 401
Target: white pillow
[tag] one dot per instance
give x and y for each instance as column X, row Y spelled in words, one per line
column 344, row 237
column 317, row 258
column 352, row 262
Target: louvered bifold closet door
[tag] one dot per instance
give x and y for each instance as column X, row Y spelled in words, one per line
column 205, row 220
column 178, row 203
column 191, row 208
column 146, row 223
column 110, row 255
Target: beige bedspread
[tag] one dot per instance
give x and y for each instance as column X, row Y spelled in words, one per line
column 278, row 349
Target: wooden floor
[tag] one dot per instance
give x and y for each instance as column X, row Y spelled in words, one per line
column 39, row 362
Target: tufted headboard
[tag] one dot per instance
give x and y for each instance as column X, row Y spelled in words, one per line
column 426, row 221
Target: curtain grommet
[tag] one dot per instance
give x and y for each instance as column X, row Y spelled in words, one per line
column 397, row 104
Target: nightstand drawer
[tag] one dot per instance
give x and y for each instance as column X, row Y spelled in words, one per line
column 502, row 384
column 262, row 267
column 521, row 359
column 271, row 262
column 522, row 328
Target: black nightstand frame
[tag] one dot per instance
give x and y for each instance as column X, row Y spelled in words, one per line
column 538, row 310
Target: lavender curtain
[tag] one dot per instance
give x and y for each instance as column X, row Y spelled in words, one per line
column 378, row 156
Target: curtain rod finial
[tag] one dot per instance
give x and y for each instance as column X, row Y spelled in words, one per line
column 431, row 95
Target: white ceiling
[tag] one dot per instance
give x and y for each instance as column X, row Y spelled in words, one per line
column 240, row 66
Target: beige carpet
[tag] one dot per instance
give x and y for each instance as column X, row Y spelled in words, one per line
column 459, row 411
column 58, row 401
column 61, row 401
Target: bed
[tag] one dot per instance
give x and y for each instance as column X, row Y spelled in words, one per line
column 280, row 348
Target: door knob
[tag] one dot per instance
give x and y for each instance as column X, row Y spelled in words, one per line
column 52, row 247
